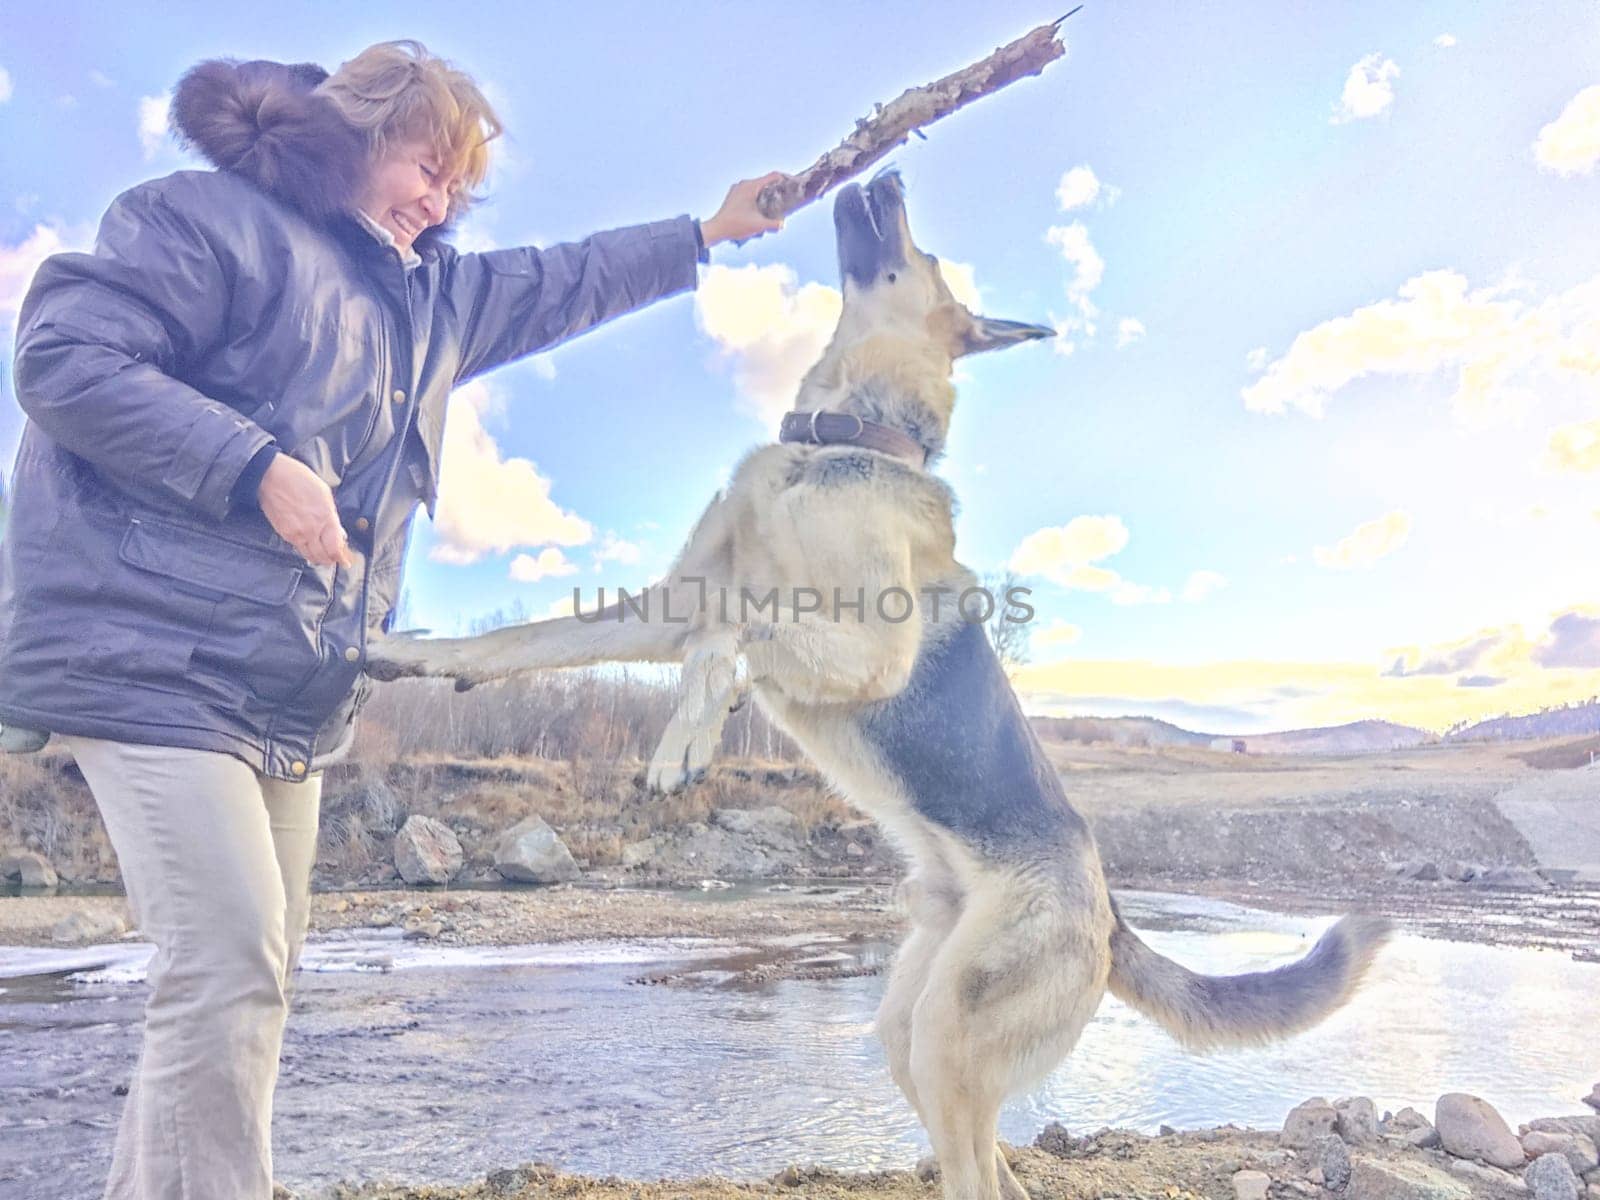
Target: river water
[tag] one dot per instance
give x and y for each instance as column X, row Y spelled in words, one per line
column 413, row 1062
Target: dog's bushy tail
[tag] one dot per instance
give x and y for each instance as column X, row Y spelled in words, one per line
column 1204, row 1012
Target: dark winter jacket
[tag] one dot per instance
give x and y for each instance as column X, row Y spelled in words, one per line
column 222, row 311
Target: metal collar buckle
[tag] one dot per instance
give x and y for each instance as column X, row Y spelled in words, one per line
column 816, row 438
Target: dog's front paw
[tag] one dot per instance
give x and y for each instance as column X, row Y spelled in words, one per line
column 678, row 762
column 667, row 774
column 403, row 656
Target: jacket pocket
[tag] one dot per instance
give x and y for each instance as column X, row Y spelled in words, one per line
column 259, row 640
column 210, row 564
column 152, row 657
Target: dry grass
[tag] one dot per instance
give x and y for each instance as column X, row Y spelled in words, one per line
column 46, row 807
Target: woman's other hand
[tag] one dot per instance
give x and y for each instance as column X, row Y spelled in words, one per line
column 739, row 217
column 299, row 507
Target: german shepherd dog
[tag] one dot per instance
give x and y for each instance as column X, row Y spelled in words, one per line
column 1013, row 936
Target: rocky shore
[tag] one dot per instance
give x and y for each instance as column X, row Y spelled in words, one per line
column 1343, row 1150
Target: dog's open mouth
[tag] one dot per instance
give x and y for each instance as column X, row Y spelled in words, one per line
column 869, row 223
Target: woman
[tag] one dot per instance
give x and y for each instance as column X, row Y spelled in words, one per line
column 235, row 405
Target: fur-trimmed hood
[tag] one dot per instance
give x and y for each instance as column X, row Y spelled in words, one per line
column 266, row 122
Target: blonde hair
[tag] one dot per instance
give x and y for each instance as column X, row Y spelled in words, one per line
column 398, row 91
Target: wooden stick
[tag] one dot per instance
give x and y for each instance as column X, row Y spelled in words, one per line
column 891, row 124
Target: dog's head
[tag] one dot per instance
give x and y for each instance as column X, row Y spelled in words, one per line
column 899, row 319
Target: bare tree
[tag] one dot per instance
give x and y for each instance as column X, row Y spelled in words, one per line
column 1007, row 631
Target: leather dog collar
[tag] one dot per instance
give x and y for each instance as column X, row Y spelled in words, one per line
column 846, row 429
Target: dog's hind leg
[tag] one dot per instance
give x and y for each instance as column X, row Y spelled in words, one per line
column 1009, row 993
column 933, row 901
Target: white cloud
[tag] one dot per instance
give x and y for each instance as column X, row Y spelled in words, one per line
column 617, row 550
column 18, row 263
column 1570, row 145
column 1068, row 556
column 489, row 504
column 101, row 79
column 770, row 325
column 1367, row 544
column 1498, row 346
column 1080, row 187
column 1368, row 90
column 962, row 280
column 1201, row 584
column 153, row 123
column 1445, row 41
column 1081, row 540
column 1129, row 330
column 1088, row 267
column 1576, row 447
column 549, row 563
column 1127, row 592
column 1056, row 634
column 1256, row 360
column 5, row 85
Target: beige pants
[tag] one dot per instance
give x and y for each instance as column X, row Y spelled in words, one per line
column 216, row 860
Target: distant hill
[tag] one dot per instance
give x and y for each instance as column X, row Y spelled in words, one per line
column 1357, row 738
column 1118, row 731
column 1576, row 720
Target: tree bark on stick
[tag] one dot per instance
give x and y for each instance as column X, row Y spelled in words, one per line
column 891, row 124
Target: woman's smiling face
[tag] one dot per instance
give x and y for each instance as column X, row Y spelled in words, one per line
column 409, row 191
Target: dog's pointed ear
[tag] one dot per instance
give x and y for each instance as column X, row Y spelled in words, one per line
column 993, row 333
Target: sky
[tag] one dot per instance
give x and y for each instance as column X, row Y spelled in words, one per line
column 1318, row 439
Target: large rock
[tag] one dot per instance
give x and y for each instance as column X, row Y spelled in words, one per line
column 770, row 826
column 1551, row 1177
column 1574, row 1147
column 427, row 851
column 29, row 869
column 1356, row 1120
column 1422, row 870
column 1370, row 1180
column 1307, row 1122
column 1593, row 1098
column 530, row 852
column 1586, row 1126
column 1471, row 1128
column 1496, row 1180
column 737, row 844
column 1251, row 1185
column 1514, row 879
